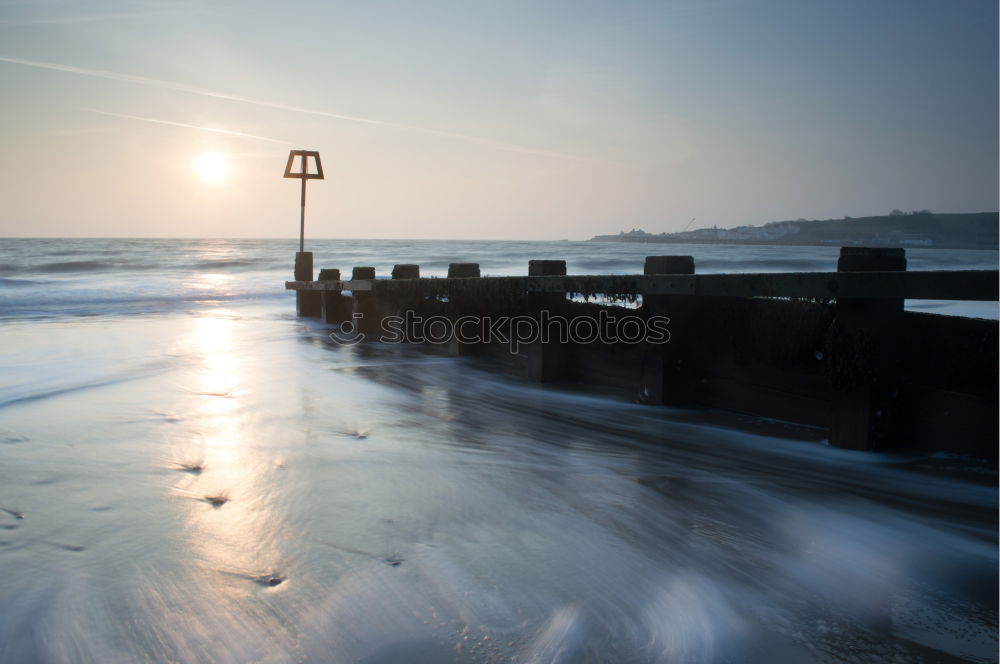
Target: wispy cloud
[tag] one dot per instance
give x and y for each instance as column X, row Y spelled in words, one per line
column 83, row 18
column 184, row 125
column 204, row 92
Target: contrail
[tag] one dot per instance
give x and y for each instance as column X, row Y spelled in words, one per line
column 204, row 92
column 171, row 123
column 93, row 18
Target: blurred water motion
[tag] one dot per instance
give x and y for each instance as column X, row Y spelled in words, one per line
column 384, row 504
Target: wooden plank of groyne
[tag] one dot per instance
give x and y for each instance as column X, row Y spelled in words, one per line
column 971, row 285
column 944, row 285
column 865, row 343
column 669, row 372
column 550, row 361
column 363, row 285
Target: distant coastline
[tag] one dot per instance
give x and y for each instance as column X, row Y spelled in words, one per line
column 898, row 229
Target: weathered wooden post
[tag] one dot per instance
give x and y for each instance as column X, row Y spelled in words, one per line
column 307, row 303
column 398, row 305
column 863, row 349
column 463, row 270
column 335, row 307
column 365, row 307
column 669, row 370
column 405, row 271
column 464, row 335
column 549, row 360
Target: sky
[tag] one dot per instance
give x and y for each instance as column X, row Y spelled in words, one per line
column 470, row 119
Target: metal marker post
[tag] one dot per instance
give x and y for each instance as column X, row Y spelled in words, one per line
column 303, row 175
column 308, row 302
column 302, row 213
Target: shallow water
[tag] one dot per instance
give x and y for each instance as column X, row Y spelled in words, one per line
column 205, row 478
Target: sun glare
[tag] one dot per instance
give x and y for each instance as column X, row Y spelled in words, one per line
column 211, row 167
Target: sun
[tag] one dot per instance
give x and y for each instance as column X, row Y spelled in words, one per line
column 211, row 167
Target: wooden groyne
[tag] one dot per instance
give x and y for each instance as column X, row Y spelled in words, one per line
column 826, row 349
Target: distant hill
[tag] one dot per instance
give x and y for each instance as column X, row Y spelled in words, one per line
column 914, row 229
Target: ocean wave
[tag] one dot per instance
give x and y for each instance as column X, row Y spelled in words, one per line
column 599, row 266
column 89, row 251
column 227, row 263
column 77, row 266
column 18, row 282
column 763, row 264
column 30, row 306
column 123, row 266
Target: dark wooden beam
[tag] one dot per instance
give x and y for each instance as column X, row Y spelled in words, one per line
column 971, row 285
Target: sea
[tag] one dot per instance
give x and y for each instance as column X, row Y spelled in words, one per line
column 189, row 473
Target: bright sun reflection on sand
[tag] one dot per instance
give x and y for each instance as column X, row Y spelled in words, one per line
column 234, row 541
